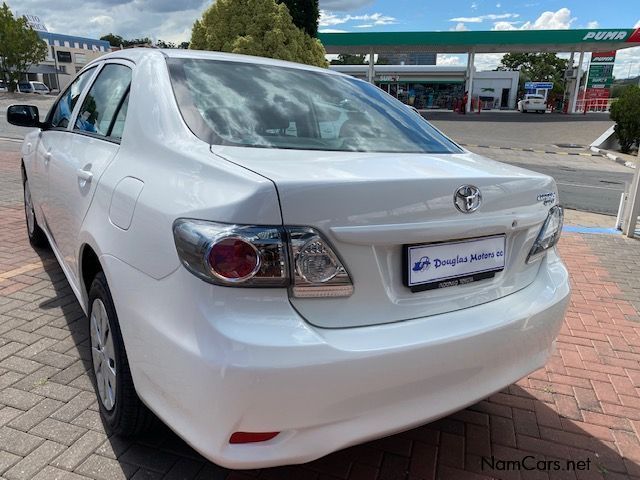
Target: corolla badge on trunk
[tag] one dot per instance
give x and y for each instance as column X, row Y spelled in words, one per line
column 467, row 198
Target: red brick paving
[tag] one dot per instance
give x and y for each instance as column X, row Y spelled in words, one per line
column 583, row 405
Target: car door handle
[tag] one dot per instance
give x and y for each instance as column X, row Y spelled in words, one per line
column 84, row 175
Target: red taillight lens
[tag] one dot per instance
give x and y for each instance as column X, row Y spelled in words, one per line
column 233, row 259
column 252, row 437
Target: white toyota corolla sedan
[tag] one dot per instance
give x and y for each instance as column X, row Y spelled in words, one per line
column 279, row 260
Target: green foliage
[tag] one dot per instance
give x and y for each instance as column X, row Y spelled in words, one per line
column 349, row 59
column 20, row 47
column 537, row 67
column 305, row 14
column 255, row 27
column 113, row 39
column 626, row 113
column 118, row 41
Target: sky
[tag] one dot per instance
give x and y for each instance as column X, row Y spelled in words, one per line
column 171, row 20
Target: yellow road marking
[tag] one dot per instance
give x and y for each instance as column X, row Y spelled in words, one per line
column 20, row 270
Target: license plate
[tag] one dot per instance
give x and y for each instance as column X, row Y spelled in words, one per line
column 447, row 264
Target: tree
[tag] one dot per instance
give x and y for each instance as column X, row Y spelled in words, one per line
column 349, row 59
column 163, row 44
column 626, row 113
column 20, row 47
column 118, row 41
column 255, row 27
column 305, row 14
column 537, row 67
column 114, row 40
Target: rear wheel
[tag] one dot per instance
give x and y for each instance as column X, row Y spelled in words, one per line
column 35, row 233
column 120, row 407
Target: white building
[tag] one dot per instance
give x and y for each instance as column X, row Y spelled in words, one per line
column 440, row 87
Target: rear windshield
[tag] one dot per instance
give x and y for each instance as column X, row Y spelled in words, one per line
column 245, row 104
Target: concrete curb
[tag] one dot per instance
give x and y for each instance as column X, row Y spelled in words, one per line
column 613, row 156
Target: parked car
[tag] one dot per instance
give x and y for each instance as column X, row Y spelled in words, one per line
column 273, row 286
column 532, row 103
column 33, row 87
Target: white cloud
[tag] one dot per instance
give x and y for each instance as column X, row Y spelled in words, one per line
column 504, row 26
column 460, row 27
column 366, row 25
column 102, row 21
column 165, row 19
column 487, row 61
column 467, row 19
column 328, row 19
column 446, row 59
column 593, row 24
column 637, row 25
column 498, row 5
column 474, row 6
column 560, row 20
column 627, row 63
column 482, row 18
column 344, row 5
column 331, row 30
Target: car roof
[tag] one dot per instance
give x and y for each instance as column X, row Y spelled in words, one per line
column 137, row 54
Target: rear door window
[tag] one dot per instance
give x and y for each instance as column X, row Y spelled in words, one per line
column 105, row 98
column 61, row 113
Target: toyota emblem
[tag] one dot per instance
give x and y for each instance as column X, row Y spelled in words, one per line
column 467, row 198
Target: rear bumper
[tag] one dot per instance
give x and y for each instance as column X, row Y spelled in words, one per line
column 211, row 361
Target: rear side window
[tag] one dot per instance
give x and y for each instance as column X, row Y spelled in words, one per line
column 118, row 124
column 61, row 112
column 105, row 99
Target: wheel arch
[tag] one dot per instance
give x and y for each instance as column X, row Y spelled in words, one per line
column 90, row 266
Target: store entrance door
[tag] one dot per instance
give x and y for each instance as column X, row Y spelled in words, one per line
column 504, row 101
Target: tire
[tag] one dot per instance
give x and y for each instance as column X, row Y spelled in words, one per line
column 37, row 238
column 122, row 411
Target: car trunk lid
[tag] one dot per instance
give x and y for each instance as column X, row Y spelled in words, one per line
column 370, row 206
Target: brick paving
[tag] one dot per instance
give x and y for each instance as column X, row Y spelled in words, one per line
column 583, row 406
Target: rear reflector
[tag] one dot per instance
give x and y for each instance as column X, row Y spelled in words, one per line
column 252, row 437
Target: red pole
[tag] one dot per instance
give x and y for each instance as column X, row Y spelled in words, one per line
column 585, row 107
column 479, row 105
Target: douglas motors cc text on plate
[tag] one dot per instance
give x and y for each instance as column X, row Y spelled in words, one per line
column 254, row 243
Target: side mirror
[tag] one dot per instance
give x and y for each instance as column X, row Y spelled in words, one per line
column 23, row 115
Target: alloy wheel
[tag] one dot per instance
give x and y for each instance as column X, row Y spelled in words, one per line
column 28, row 208
column 103, row 354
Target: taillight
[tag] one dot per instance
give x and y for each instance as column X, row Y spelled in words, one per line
column 248, row 256
column 549, row 233
column 262, row 256
column 233, row 259
column 317, row 270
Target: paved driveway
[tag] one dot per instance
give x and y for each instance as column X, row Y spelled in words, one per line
column 583, row 406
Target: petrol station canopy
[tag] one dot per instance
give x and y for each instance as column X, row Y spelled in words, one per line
column 495, row 41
